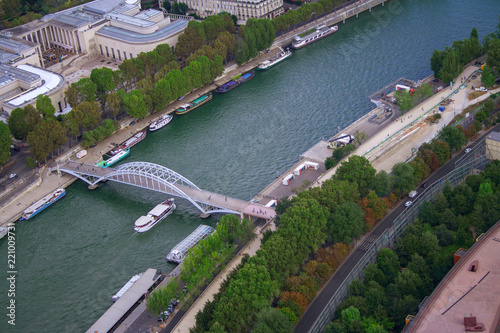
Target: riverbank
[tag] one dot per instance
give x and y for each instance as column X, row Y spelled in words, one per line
column 46, row 184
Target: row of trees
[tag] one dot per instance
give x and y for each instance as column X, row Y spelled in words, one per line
column 395, row 284
column 341, row 210
column 304, row 13
column 142, row 85
column 202, row 263
column 450, row 62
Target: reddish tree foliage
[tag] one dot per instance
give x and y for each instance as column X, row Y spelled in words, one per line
column 392, row 199
column 292, row 283
column 431, row 159
column 294, row 297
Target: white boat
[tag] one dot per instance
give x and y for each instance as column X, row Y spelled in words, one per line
column 275, row 60
column 43, row 203
column 126, row 287
column 179, row 252
column 5, row 230
column 155, row 215
column 157, row 124
column 321, row 31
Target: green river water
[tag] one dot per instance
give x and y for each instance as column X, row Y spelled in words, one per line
column 76, row 254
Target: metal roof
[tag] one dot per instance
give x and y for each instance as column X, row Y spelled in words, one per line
column 148, row 13
column 136, row 21
column 19, row 74
column 134, row 37
column 15, row 45
column 121, row 306
column 102, row 7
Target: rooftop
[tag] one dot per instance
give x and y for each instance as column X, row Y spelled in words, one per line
column 494, row 136
column 148, row 13
column 464, row 291
column 101, row 7
column 136, row 21
column 17, row 73
column 50, row 82
column 133, row 37
column 122, row 305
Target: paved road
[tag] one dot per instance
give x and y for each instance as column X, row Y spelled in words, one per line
column 321, row 300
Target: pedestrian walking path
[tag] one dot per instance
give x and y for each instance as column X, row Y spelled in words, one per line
column 394, row 143
column 188, row 320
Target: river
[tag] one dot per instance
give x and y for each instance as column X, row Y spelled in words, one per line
column 71, row 258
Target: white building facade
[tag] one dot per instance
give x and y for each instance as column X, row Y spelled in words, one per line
column 242, row 9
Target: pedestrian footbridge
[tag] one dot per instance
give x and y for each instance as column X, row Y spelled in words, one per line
column 161, row 179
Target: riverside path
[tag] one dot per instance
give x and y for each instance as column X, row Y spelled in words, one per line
column 161, row 179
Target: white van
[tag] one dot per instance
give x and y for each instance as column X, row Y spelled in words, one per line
column 412, row 194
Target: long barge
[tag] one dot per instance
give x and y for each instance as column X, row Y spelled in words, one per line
column 185, row 108
column 235, row 82
column 321, row 31
column 283, row 55
column 120, row 155
column 130, row 142
column 43, row 203
column 179, row 252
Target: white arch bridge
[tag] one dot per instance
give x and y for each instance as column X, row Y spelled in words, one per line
column 161, row 179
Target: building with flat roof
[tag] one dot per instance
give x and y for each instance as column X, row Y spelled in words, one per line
column 116, row 29
column 21, row 85
column 17, row 51
column 469, row 296
column 493, row 145
column 242, row 9
column 110, row 28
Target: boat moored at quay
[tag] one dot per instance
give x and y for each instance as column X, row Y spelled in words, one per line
column 43, row 203
column 163, row 121
column 126, row 287
column 117, row 157
column 130, row 142
column 185, row 108
column 235, row 82
column 155, row 215
column 321, row 31
column 179, row 252
column 275, row 60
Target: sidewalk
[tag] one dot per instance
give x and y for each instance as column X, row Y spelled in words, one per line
column 189, row 320
column 410, row 130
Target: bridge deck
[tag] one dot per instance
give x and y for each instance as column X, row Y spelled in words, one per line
column 149, row 181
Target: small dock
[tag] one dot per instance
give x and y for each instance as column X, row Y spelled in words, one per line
column 115, row 313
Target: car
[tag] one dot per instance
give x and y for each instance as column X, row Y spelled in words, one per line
column 468, row 150
column 132, row 123
column 12, row 175
column 435, row 80
column 424, row 185
column 93, row 145
column 408, row 203
column 473, row 77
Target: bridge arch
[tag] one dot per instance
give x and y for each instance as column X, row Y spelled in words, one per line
column 149, row 176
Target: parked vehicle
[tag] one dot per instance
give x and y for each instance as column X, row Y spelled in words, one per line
column 424, row 185
column 412, row 194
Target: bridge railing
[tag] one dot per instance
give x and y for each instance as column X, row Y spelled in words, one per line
column 389, row 236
